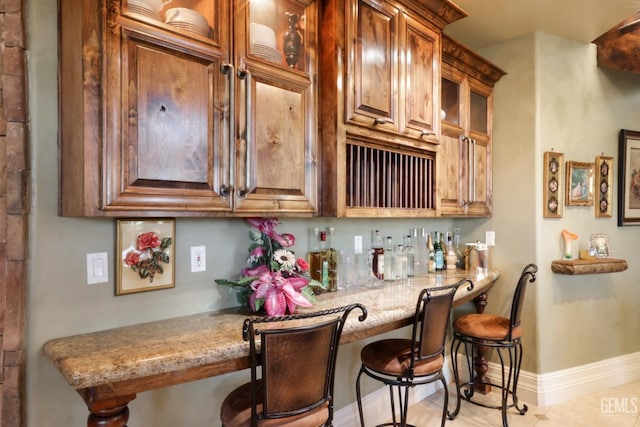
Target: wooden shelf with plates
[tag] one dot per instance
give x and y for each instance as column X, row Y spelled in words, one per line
column 588, row 266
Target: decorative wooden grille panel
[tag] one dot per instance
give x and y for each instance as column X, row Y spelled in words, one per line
column 379, row 178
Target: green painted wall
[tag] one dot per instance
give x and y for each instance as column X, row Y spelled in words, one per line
column 556, row 98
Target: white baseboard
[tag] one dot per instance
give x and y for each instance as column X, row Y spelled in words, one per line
column 560, row 386
column 540, row 390
column 568, row 384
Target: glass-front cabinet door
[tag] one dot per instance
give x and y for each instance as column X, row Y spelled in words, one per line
column 275, row 106
column 466, row 151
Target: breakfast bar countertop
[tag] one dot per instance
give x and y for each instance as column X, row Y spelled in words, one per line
column 113, row 362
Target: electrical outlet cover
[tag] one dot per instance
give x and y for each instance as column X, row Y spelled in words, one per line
column 198, row 259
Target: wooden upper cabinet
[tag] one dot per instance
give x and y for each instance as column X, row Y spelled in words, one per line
column 159, row 115
column 465, row 173
column 393, row 71
column 380, row 106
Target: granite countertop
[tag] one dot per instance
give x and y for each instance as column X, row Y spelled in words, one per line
column 215, row 338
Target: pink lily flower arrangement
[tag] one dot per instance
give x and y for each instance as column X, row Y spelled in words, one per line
column 274, row 279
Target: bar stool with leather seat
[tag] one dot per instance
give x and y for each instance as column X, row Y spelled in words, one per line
column 403, row 363
column 490, row 331
column 297, row 354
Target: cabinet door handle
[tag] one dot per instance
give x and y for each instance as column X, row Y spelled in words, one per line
column 469, row 170
column 426, row 133
column 227, row 189
column 244, row 74
column 381, row 120
column 464, row 150
column 473, row 175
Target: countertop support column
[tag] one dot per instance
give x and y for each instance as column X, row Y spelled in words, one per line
column 480, row 361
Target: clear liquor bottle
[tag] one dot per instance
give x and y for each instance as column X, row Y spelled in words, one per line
column 456, row 242
column 451, row 254
column 410, row 254
column 400, row 263
column 389, row 273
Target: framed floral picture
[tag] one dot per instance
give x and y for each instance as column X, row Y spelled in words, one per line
column 579, row 184
column 144, row 255
column 552, row 185
column 629, row 178
column 603, row 172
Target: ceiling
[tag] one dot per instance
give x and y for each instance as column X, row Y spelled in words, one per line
column 494, row 21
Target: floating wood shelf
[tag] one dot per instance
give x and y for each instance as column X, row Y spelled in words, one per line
column 588, row 266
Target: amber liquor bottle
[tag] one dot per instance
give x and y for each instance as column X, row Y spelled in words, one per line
column 332, row 262
column 315, row 257
column 377, row 260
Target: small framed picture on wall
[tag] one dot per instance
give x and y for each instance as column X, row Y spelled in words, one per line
column 144, row 255
column 629, row 178
column 579, row 185
column 600, row 242
column 552, row 184
column 603, row 190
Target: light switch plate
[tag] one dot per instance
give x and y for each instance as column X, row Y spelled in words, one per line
column 97, row 268
column 490, row 238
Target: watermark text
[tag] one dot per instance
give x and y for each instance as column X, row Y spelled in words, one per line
column 619, row 405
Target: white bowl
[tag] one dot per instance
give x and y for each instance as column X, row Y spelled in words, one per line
column 262, row 34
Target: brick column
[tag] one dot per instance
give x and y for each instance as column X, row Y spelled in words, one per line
column 14, row 204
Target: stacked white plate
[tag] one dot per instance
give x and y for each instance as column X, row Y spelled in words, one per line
column 263, row 43
column 143, row 8
column 187, row 20
column 265, row 52
column 262, row 34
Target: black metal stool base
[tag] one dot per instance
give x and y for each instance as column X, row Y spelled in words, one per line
column 394, row 425
column 507, row 388
column 467, row 393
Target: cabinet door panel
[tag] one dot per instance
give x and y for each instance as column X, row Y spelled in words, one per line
column 452, row 168
column 173, row 132
column 481, row 177
column 372, row 82
column 281, row 157
column 279, row 139
column 421, row 77
column 169, row 142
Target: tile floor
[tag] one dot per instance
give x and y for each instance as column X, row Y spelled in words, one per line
column 616, row 407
